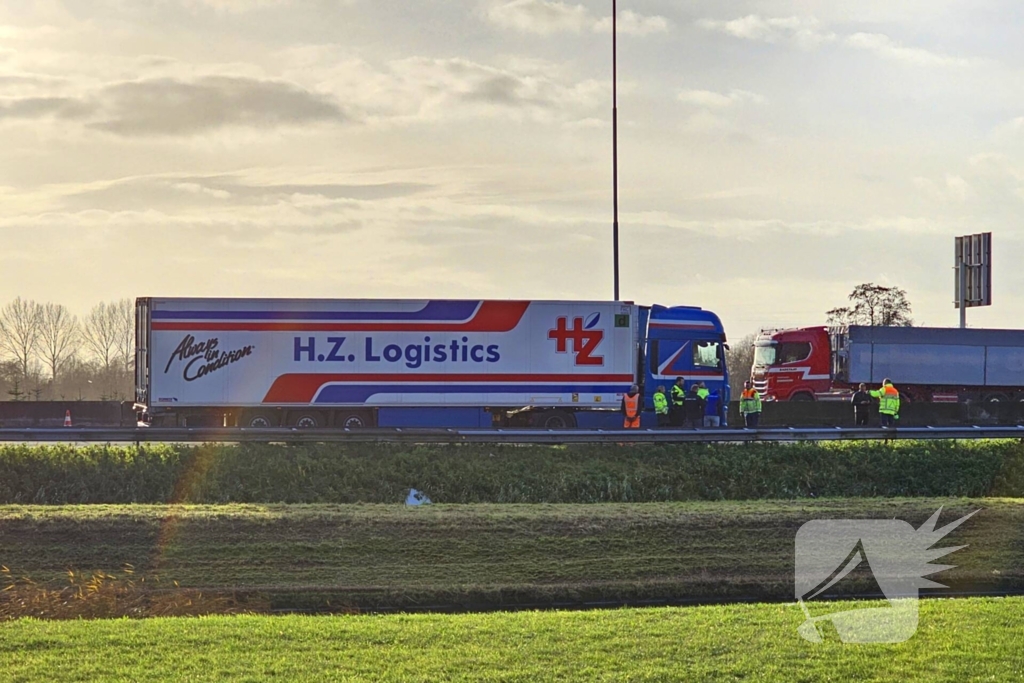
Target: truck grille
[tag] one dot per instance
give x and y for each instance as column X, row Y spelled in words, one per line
column 761, row 386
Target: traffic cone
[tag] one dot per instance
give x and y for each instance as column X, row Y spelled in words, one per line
column 67, row 418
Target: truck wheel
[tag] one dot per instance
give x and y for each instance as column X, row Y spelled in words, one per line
column 996, row 398
column 353, row 420
column 802, row 396
column 306, row 420
column 553, row 419
column 258, row 420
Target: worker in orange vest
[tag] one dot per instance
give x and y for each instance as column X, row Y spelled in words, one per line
column 631, row 408
column 750, row 405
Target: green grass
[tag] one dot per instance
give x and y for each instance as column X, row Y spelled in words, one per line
column 377, row 556
column 383, row 473
column 957, row 640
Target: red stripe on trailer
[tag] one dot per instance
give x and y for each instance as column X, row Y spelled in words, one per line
column 301, row 388
column 493, row 316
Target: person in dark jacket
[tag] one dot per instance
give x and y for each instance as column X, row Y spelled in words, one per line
column 861, row 405
column 693, row 407
column 675, row 409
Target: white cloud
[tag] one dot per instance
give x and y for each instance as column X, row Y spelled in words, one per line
column 884, row 46
column 1009, row 130
column 803, row 32
column 633, row 24
column 952, row 188
column 420, row 89
column 539, row 16
column 715, row 100
column 807, row 33
column 550, row 16
column 234, row 6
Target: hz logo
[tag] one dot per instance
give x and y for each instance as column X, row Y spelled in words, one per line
column 584, row 338
column 885, row 554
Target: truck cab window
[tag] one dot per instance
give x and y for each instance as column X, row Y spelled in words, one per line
column 707, row 355
column 793, row 352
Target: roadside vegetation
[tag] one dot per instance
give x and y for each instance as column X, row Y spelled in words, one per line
column 957, row 640
column 149, row 560
column 372, row 473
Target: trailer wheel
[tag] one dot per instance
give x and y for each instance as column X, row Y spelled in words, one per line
column 352, row 420
column 306, row 420
column 258, row 420
column 996, row 398
column 553, row 419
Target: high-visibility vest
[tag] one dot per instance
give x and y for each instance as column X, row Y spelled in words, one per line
column 660, row 403
column 888, row 400
column 703, row 393
column 677, row 394
column 750, row 401
column 632, row 404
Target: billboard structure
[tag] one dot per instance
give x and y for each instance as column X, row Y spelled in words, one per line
column 973, row 277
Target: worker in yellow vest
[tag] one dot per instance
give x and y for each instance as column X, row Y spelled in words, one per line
column 888, row 403
column 631, row 408
column 750, row 405
column 661, row 406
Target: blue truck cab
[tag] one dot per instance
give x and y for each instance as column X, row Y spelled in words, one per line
column 687, row 342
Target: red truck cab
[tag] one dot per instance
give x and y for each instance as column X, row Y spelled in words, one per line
column 793, row 365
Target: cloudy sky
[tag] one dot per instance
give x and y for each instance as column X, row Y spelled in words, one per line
column 773, row 153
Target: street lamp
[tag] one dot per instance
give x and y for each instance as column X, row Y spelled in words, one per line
column 615, row 162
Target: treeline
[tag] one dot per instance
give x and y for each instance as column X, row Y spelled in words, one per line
column 48, row 354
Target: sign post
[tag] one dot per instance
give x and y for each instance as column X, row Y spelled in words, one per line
column 973, row 280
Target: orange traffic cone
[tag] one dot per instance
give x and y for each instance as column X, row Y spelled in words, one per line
column 67, row 418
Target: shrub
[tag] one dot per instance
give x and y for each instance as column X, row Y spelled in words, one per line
column 342, row 473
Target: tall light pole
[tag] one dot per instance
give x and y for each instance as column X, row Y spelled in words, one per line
column 615, row 161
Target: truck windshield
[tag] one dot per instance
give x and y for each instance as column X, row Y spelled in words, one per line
column 764, row 355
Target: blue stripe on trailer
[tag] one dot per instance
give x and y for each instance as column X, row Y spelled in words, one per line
column 434, row 310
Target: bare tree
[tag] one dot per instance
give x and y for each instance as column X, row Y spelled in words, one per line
column 124, row 325
column 20, row 331
column 874, row 305
column 739, row 358
column 60, row 338
column 101, row 333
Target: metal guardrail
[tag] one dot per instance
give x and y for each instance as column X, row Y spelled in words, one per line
column 513, row 436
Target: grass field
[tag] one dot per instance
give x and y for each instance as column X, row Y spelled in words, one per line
column 957, row 640
column 377, row 556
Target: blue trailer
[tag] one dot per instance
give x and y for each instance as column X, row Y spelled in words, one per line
column 934, row 363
